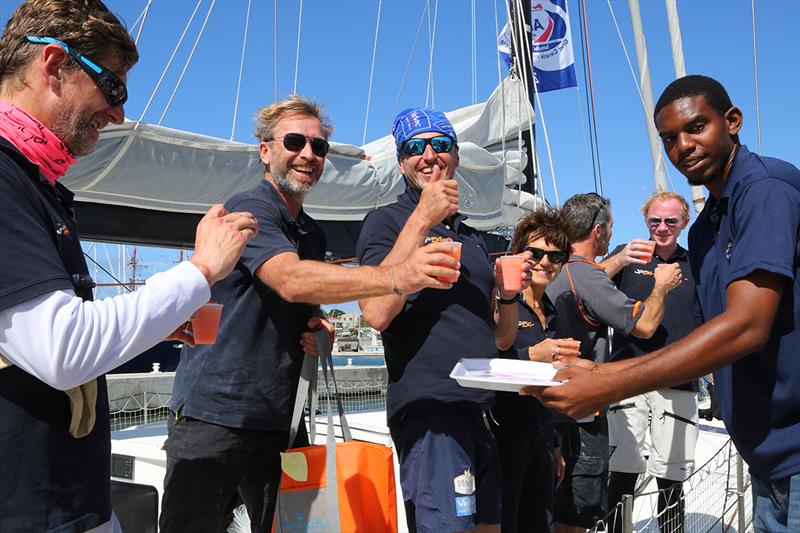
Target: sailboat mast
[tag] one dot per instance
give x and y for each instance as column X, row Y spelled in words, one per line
column 698, row 198
column 659, row 170
column 521, row 33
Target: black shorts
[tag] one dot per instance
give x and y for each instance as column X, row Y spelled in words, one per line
column 449, row 470
column 582, row 498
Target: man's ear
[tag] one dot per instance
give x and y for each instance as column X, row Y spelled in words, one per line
column 734, row 120
column 263, row 153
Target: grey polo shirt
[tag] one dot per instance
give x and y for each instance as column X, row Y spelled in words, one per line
column 587, row 304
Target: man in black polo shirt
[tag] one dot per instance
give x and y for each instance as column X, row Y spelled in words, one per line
column 62, row 69
column 670, row 414
column 233, row 400
column 449, row 470
column 587, row 304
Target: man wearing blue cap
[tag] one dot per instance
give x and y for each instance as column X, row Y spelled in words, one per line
column 449, row 469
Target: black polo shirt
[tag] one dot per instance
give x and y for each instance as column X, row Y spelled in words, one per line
column 435, row 328
column 48, row 479
column 248, row 379
column 523, row 417
column 637, row 281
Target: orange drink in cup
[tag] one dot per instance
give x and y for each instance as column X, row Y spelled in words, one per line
column 455, row 253
column 205, row 323
column 511, row 272
column 647, row 255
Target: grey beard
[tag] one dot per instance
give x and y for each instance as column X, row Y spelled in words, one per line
column 289, row 188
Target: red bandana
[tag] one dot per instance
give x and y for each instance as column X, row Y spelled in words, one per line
column 35, row 141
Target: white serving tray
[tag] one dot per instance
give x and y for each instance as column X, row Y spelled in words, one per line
column 503, row 374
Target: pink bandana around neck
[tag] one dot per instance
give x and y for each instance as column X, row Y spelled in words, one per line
column 35, row 141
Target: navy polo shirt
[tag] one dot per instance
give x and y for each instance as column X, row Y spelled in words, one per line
column 637, row 281
column 523, row 417
column 755, row 225
column 248, row 379
column 50, row 480
column 435, row 328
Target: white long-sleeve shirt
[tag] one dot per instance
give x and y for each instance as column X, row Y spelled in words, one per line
column 66, row 342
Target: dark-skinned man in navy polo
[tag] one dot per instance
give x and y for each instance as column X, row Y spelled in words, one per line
column 63, row 66
column 743, row 249
column 449, row 469
column 233, row 400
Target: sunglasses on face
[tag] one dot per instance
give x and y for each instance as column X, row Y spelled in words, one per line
column 655, row 222
column 440, row 144
column 112, row 87
column 295, row 142
column 555, row 256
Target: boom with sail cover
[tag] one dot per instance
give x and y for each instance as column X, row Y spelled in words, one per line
column 151, row 184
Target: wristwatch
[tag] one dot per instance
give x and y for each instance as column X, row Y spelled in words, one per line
column 506, row 301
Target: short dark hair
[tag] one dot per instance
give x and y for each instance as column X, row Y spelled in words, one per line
column 695, row 85
column 547, row 224
column 86, row 25
column 583, row 211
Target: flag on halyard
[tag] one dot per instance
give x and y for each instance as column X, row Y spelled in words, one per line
column 551, row 46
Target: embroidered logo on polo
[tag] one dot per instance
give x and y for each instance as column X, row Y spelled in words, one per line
column 524, row 324
column 62, row 229
column 643, row 272
column 436, row 238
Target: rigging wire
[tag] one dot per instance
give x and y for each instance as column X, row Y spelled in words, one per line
column 431, row 46
column 297, row 51
column 410, row 57
column 142, row 18
column 633, row 75
column 474, row 52
column 529, row 53
column 275, row 46
column 188, row 60
column 519, row 69
column 599, row 176
column 169, row 62
column 588, row 124
column 501, row 84
column 372, row 72
column 755, row 75
column 241, row 69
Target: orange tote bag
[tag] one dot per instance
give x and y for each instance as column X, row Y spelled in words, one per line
column 361, row 497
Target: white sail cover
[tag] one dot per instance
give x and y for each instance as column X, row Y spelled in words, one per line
column 161, row 169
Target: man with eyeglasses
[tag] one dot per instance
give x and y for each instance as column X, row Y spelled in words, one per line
column 743, row 249
column 449, row 469
column 669, row 414
column 587, row 303
column 62, row 69
column 232, row 401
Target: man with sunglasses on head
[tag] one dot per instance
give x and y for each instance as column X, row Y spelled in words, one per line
column 744, row 254
column 449, row 469
column 232, row 401
column 670, row 414
column 62, row 69
column 587, row 303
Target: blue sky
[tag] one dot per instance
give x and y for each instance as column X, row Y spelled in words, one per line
column 335, row 55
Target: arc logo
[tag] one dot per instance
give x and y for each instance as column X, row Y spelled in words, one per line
column 548, row 26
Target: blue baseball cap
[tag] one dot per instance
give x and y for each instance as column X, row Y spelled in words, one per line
column 415, row 120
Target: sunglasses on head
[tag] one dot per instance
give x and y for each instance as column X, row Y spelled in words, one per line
column 655, row 221
column 440, row 144
column 295, row 142
column 112, row 87
column 555, row 256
